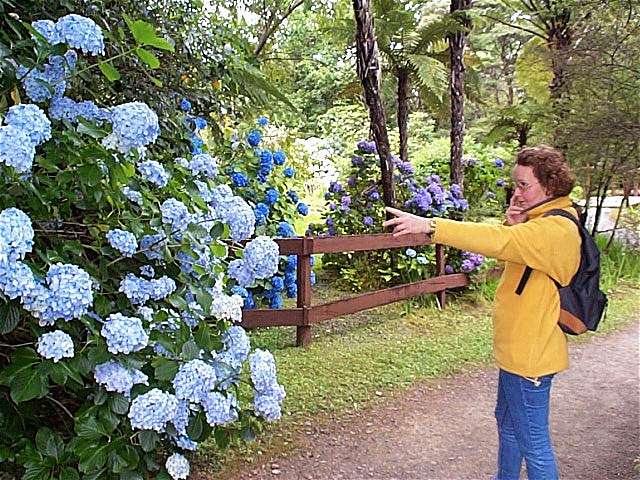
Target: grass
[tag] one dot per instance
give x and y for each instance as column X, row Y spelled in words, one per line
column 360, row 359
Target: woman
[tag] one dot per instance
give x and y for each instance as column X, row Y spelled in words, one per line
column 529, row 347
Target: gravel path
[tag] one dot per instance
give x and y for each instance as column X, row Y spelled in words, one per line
column 445, row 429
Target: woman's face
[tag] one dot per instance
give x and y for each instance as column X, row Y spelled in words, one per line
column 528, row 190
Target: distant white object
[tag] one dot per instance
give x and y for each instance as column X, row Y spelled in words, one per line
column 608, row 216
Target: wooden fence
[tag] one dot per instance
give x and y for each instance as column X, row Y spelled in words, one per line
column 306, row 314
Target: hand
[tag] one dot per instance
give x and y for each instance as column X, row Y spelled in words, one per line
column 515, row 213
column 406, row 223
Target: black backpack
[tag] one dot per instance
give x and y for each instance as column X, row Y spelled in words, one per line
column 582, row 303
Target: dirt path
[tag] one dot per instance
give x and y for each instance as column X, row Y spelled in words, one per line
column 445, row 429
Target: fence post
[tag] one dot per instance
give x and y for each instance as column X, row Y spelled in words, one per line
column 303, row 332
column 440, row 271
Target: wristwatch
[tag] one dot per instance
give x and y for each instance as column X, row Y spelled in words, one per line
column 432, row 226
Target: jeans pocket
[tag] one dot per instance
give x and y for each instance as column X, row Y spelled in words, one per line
column 536, row 396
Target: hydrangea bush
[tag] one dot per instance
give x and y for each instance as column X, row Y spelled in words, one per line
column 355, row 206
column 118, row 266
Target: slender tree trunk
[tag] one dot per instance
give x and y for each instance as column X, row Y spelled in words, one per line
column 403, row 111
column 523, row 133
column 456, row 48
column 559, row 40
column 369, row 72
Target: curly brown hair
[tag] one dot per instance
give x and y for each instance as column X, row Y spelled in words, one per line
column 549, row 167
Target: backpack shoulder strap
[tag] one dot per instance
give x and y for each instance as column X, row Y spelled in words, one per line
column 527, row 270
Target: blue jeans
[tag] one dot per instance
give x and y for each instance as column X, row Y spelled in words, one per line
column 522, row 413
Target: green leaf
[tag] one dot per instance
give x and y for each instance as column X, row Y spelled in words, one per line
column 204, row 298
column 90, row 174
column 194, row 429
column 94, row 458
column 129, row 475
column 147, row 57
column 203, row 337
column 102, row 306
column 29, row 384
column 190, row 351
column 9, row 318
column 109, row 71
column 222, row 438
column 148, row 440
column 69, row 473
column 36, row 471
column 165, row 369
column 49, row 443
column 161, row 43
column 119, row 404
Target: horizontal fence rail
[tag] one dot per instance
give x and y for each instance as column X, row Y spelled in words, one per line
column 307, row 314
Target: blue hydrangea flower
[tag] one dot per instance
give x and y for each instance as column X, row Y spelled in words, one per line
column 237, row 213
column 135, row 125
column 200, row 123
column 194, row 381
column 16, row 279
column 154, row 172
column 498, row 162
column 236, row 347
column 123, row 241
column 82, row 33
column 153, row 410
column 137, row 290
column 176, row 214
column 71, row 292
column 177, row 466
column 184, row 442
column 410, row 252
column 302, row 208
column 181, row 161
column 16, row 148
column 124, row 334
column 147, row 271
column 239, row 179
column 357, row 161
column 421, row 260
column 500, row 182
column 152, row 245
column 269, row 394
column 185, row 105
column 32, row 120
column 220, row 409
column 448, row 269
column 293, row 196
column 367, row 220
column 335, row 187
column 241, row 272
column 117, row 378
column 55, row 345
column 226, row 307
column 277, row 283
column 162, row 287
column 47, row 29
column 132, row 195
column 279, row 157
column 285, row 230
column 262, row 256
column 254, row 138
column 16, row 234
column 205, row 164
column 263, row 121
column 271, row 196
column 64, row 108
column 367, row 147
column 289, row 172
column 261, row 213
column 292, row 290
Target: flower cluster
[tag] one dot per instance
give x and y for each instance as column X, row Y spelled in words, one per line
column 55, row 345
column 471, row 261
column 117, row 378
column 135, row 126
column 153, row 410
column 194, row 381
column 74, row 30
column 260, row 261
column 204, row 164
column 153, row 172
column 124, row 334
column 269, row 394
column 26, row 127
column 123, row 241
column 177, row 466
column 139, row 290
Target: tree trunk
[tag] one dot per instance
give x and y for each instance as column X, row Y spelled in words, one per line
column 456, row 48
column 523, row 133
column 559, row 41
column 369, row 72
column 403, row 111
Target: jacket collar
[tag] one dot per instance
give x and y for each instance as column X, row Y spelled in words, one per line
column 550, row 204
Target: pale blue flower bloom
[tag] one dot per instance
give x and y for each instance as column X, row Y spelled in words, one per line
column 32, row 120
column 123, row 241
column 205, row 164
column 55, row 345
column 153, row 172
column 135, row 125
column 80, row 32
column 133, row 195
column 16, row 148
column 16, row 234
column 124, row 334
column 117, row 378
column 194, row 381
column 220, row 409
column 153, row 410
column 177, row 466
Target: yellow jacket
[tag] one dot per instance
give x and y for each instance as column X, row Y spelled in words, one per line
column 526, row 338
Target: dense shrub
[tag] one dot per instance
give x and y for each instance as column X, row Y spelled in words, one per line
column 118, row 262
